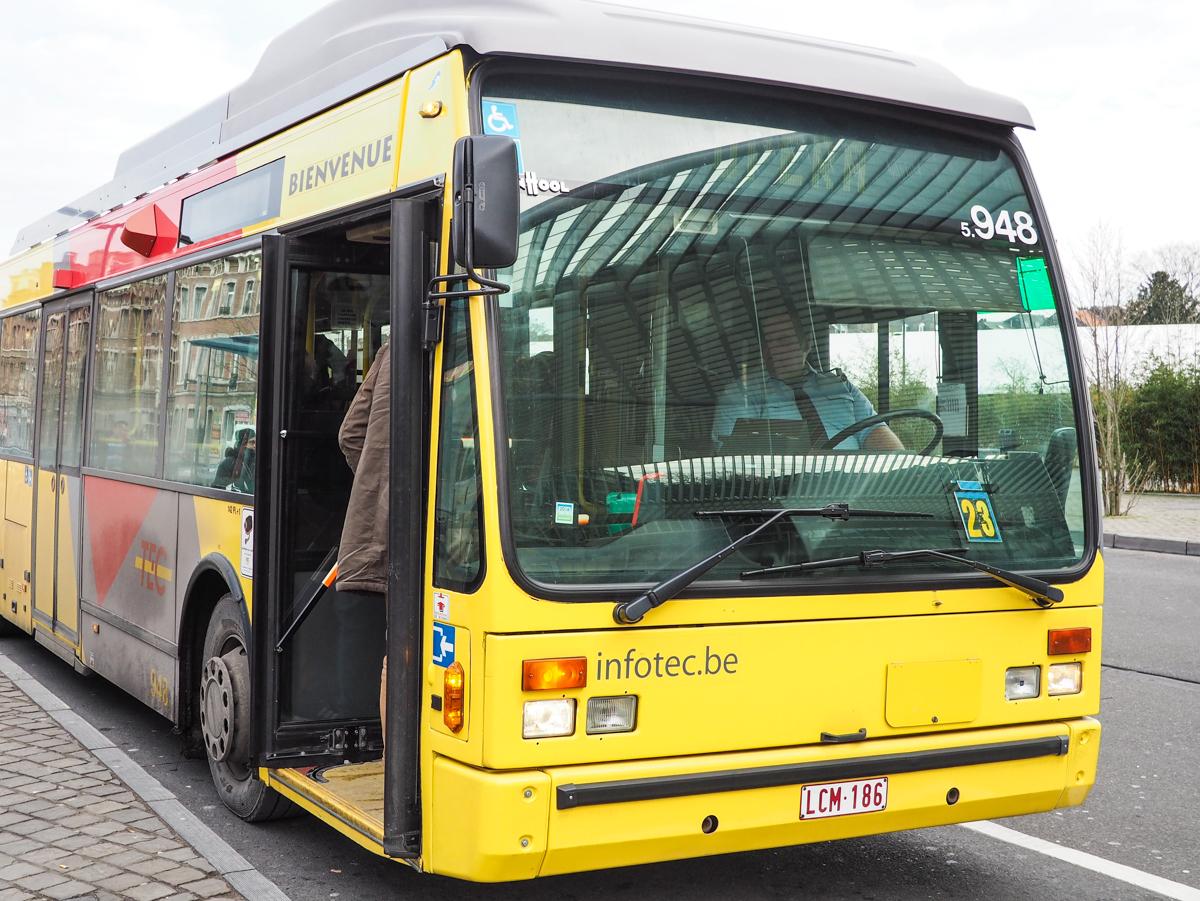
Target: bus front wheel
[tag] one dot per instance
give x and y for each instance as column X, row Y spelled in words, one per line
column 225, row 718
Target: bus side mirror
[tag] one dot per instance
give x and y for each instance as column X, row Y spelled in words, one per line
column 486, row 203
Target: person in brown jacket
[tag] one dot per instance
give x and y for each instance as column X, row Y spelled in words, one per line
column 365, row 440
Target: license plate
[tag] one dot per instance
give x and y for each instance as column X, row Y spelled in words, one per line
column 837, row 799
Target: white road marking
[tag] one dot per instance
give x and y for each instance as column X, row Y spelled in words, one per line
column 1148, row 881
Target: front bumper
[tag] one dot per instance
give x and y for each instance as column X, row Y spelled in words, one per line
column 491, row 826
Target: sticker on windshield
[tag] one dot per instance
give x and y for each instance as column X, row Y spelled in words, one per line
column 533, row 184
column 501, row 119
column 564, row 513
column 975, row 508
column 986, row 224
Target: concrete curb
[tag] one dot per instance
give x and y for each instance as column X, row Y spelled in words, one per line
column 231, row 866
column 1190, row 547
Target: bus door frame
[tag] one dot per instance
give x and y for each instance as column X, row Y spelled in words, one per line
column 415, row 215
column 305, row 744
column 408, row 484
column 65, row 480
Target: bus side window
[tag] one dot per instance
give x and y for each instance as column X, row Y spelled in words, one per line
column 212, row 390
column 127, row 386
column 18, row 376
column 457, row 552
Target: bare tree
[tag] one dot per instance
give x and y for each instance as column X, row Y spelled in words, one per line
column 1101, row 285
column 1180, row 261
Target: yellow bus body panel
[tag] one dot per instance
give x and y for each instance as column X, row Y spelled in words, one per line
column 498, row 826
column 18, row 493
column 740, row 687
column 69, row 531
column 219, row 529
column 28, row 276
column 9, row 602
column 488, row 826
column 18, row 514
column 428, row 141
column 323, row 143
column 938, row 692
column 43, row 541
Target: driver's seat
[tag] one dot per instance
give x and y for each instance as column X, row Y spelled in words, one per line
column 1059, row 459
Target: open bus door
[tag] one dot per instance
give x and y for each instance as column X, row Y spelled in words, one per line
column 338, row 291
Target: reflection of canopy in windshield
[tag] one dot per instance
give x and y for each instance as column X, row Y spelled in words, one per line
column 912, row 273
column 245, row 345
column 881, row 221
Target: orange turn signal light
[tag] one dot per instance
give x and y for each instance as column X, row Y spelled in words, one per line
column 1069, row 641
column 452, row 696
column 553, row 674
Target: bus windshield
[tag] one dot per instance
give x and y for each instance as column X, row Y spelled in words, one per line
column 727, row 302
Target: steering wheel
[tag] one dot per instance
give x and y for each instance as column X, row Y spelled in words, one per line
column 908, row 412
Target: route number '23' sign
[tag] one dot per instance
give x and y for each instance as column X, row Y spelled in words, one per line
column 975, row 508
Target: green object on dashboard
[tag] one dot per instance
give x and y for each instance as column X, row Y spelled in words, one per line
column 620, row 503
column 1034, row 281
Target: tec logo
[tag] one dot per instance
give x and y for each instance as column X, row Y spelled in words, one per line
column 153, row 573
column 443, row 644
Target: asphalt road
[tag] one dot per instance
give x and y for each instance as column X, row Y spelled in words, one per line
column 1142, row 813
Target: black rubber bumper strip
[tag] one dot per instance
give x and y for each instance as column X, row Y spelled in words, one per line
column 798, row 773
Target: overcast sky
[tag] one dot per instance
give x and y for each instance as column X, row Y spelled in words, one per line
column 1112, row 87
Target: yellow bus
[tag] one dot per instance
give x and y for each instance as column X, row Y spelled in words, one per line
column 741, row 483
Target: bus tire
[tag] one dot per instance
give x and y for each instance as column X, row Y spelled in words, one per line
column 225, row 725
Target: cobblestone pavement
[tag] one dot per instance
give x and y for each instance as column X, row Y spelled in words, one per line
column 70, row 829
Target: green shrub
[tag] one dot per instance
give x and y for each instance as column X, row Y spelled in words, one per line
column 1160, row 426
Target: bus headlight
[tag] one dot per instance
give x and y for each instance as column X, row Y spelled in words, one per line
column 617, row 714
column 549, row 719
column 1064, row 679
column 1021, row 682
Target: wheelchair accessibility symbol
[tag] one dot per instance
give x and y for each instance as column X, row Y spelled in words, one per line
column 443, row 644
column 501, row 119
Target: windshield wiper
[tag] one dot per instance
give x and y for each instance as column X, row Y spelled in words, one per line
column 629, row 612
column 830, row 511
column 1041, row 593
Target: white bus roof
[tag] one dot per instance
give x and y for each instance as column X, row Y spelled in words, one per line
column 353, row 45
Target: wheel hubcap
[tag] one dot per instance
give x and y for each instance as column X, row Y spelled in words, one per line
column 218, row 708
